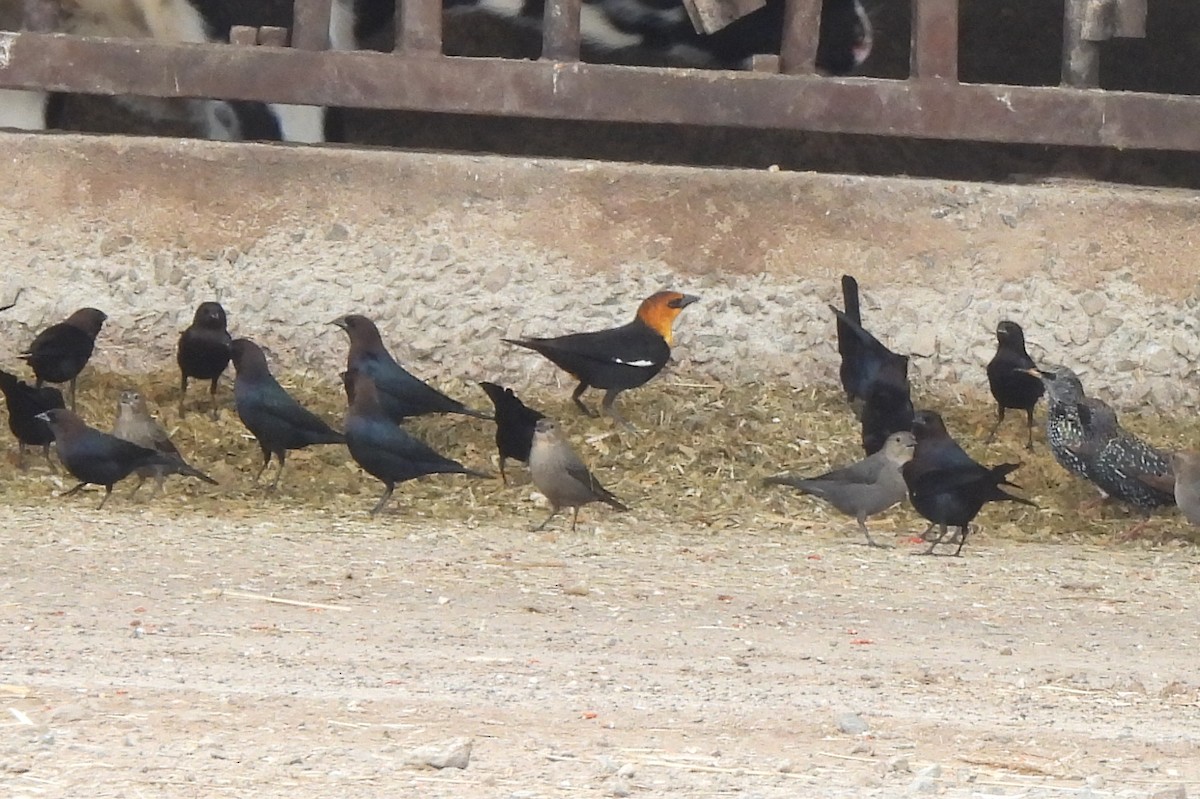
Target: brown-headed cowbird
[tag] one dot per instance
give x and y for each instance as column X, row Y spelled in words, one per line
column 386, row 450
column 59, row 353
column 134, row 423
column 874, row 378
column 95, row 457
column 514, row 425
column 272, row 416
column 1186, row 466
column 24, row 403
column 561, row 476
column 203, row 351
column 400, row 393
column 946, row 485
column 862, row 489
column 619, row 358
column 1009, row 379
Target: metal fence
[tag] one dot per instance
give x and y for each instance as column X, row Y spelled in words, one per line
column 779, row 92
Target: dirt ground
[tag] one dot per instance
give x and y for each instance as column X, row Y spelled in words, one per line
column 143, row 655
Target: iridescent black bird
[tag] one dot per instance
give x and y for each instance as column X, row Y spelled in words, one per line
column 59, row 353
column 875, row 378
column 515, row 422
column 1009, row 378
column 619, row 358
column 24, row 403
column 203, row 351
column 946, row 485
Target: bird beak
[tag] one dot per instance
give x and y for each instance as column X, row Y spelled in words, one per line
column 45, row 417
column 1033, row 372
column 688, row 299
column 339, row 322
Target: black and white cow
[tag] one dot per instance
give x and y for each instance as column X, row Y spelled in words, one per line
column 657, row 32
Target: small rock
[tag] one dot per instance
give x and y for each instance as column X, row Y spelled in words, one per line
column 1174, row 792
column 923, row 785
column 924, row 343
column 852, row 724
column 1006, row 650
column 337, row 232
column 626, row 771
column 1093, row 303
column 618, row 787
column 67, row 713
column 899, row 763
column 931, row 771
column 454, row 753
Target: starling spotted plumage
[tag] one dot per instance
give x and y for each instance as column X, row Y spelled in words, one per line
column 1009, row 379
column 1123, row 466
column 1065, row 433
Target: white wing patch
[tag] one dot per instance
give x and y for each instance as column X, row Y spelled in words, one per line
column 642, row 364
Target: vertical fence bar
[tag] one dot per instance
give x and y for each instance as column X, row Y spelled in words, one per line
column 419, row 27
column 41, row 16
column 310, row 24
column 1080, row 58
column 934, row 40
column 560, row 30
column 801, row 34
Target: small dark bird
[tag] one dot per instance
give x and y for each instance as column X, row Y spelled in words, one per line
column 94, row 457
column 862, row 489
column 400, row 393
column 24, row 404
column 203, row 351
column 1065, row 432
column 619, row 358
column 1009, row 379
column 385, row 450
column 135, row 424
column 947, row 486
column 59, row 353
column 1186, row 466
column 272, row 416
column 514, row 425
column 561, row 476
column 874, row 378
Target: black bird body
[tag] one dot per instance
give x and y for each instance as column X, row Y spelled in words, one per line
column 1009, row 379
column 619, row 358
column 515, row 422
column 276, row 420
column 386, row 450
column 24, row 403
column 401, row 394
column 204, row 349
column 97, row 458
column 874, row 378
column 946, row 485
column 59, row 353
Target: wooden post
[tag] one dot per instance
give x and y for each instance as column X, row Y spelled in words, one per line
column 934, row 53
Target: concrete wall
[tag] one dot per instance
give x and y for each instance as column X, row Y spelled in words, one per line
column 449, row 253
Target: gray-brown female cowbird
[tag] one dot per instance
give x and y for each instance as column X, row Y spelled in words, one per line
column 385, row 450
column 1009, row 377
column 561, row 476
column 59, row 353
column 514, row 424
column 24, row 403
column 946, row 485
column 95, row 457
column 273, row 416
column 1186, row 466
column 203, row 351
column 400, row 393
column 862, row 489
column 134, row 423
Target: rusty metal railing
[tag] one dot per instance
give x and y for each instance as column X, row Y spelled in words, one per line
column 779, row 93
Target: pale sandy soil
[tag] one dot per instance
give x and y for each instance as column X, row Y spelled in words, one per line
column 140, row 659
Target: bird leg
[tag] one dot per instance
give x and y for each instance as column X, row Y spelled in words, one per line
column 503, row 476
column 871, row 542
column 212, row 396
column 553, row 513
column 966, row 528
column 575, row 518
column 1029, row 414
column 933, row 544
column 996, row 426
column 1135, row 531
column 266, row 459
column 607, row 406
column 74, row 490
column 384, row 499
column 21, row 455
column 183, row 384
column 159, row 480
column 73, row 379
column 275, row 483
column 928, row 530
column 107, row 494
column 141, row 479
column 49, row 460
column 575, row 396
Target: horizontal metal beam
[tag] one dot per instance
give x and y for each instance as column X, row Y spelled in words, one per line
column 918, row 108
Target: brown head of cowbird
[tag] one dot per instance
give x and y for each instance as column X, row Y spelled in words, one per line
column 97, row 458
column 203, row 352
column 134, row 423
column 862, row 489
column 1186, row 467
column 561, row 476
column 946, row 485
column 24, row 403
column 276, row 420
column 1009, row 377
column 401, row 394
column 514, row 424
column 384, row 449
column 619, row 358
column 59, row 353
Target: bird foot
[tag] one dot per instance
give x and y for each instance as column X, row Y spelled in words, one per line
column 871, row 542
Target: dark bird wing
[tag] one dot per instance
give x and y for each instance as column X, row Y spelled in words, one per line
column 622, row 357
column 390, row 453
column 403, row 395
column 868, row 361
column 267, row 405
column 580, row 474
